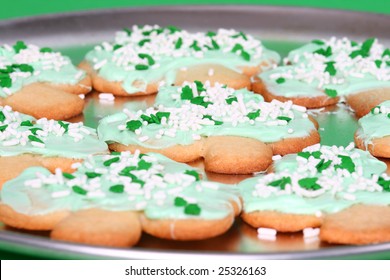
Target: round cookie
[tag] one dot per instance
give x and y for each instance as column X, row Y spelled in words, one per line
column 308, row 186
column 142, row 58
column 234, row 131
column 110, row 199
column 25, row 142
column 41, row 82
column 373, row 132
column 325, row 72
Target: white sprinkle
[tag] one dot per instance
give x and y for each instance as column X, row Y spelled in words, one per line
column 310, row 232
column 82, row 96
column 267, row 231
column 276, row 157
column 107, row 96
column 211, row 72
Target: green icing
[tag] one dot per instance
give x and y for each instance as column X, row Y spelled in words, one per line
column 341, row 59
column 122, row 61
column 373, row 126
column 299, row 186
column 117, row 190
column 229, row 121
column 38, row 66
column 23, row 134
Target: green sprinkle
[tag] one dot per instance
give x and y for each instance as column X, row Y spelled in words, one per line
column 5, row 81
column 324, row 52
column 316, row 154
column 237, row 47
column 240, row 34
column 280, row 80
column 246, row 56
column 161, row 115
column 92, row 175
column 20, row 45
column 230, row 100
column 346, row 163
column 309, row 183
column 253, row 115
column 117, row 188
column 128, row 31
column 211, row 34
column 388, row 115
column 385, row 184
column 178, row 43
column 143, row 42
column 133, row 125
column 2, row 116
column 354, row 44
column 215, row 44
column 318, row 42
column 211, row 119
column 111, row 161
column 3, row 127
column 64, row 125
column 330, row 92
column 26, row 123
column 366, row 46
column 186, row 93
column 193, row 173
column 24, row 67
column 305, row 155
column 141, row 67
column 192, row 209
column 79, row 190
column 195, row 46
column 284, row 118
column 115, row 153
column 322, row 165
column 173, row 29
column 199, row 86
column 386, row 52
column 117, row 46
column 127, row 170
column 356, row 53
column 144, row 165
column 46, row 50
column 373, row 110
column 281, row 183
column 35, row 130
column 199, row 100
column 148, row 57
column 179, row 201
column 378, row 63
column 68, row 175
column 330, row 68
column 35, row 139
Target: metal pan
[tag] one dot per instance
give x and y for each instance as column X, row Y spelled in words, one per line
column 282, row 28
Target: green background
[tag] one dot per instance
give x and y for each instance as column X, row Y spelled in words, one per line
column 21, row 8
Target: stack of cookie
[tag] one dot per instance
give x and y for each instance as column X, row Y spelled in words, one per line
column 107, row 186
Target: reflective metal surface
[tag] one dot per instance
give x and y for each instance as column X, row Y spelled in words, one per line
column 283, row 29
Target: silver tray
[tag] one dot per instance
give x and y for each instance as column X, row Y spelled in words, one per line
column 282, row 28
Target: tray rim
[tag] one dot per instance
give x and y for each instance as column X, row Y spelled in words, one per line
column 31, row 242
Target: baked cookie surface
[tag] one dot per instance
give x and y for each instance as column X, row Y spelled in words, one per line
column 142, row 58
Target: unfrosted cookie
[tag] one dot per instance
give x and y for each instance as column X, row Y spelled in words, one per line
column 308, row 186
column 373, row 132
column 142, row 58
column 25, row 141
column 324, row 72
column 234, row 131
column 41, row 82
column 109, row 199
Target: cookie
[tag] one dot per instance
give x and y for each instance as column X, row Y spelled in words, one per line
column 373, row 133
column 235, row 132
column 25, row 141
column 41, row 82
column 357, row 225
column 110, row 199
column 142, row 58
column 325, row 72
column 308, row 186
